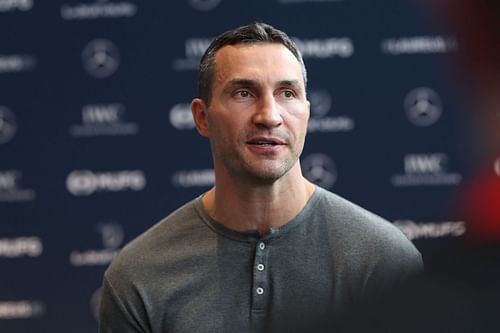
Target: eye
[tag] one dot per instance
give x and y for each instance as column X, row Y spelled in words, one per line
column 242, row 93
column 288, row 93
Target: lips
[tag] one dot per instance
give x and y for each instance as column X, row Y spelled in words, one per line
column 266, row 141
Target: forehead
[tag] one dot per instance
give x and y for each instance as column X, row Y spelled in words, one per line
column 256, row 61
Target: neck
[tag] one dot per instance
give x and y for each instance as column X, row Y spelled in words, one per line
column 244, row 207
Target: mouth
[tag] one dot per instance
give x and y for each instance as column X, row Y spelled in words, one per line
column 265, row 142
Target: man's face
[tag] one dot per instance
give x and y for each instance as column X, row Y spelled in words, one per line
column 257, row 117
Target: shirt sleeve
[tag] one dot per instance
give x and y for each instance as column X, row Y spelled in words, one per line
column 115, row 316
column 395, row 268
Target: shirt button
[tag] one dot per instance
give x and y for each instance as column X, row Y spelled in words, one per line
column 260, row 267
column 262, row 246
column 260, row 291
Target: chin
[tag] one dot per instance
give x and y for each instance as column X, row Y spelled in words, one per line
column 267, row 175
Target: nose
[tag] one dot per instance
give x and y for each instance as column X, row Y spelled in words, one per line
column 268, row 113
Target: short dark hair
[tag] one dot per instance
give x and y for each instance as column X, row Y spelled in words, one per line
column 251, row 33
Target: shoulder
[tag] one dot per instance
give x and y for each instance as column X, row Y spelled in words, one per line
column 367, row 248
column 360, row 230
column 345, row 214
column 158, row 243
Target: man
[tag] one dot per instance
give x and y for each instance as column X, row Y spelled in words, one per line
column 264, row 249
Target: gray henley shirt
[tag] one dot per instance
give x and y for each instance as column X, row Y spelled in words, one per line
column 189, row 273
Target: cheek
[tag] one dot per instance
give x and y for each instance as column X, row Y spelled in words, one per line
column 298, row 120
column 223, row 129
column 297, row 109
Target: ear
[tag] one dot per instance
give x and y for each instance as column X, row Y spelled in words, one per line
column 199, row 111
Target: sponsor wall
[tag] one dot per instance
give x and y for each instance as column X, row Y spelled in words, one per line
column 97, row 142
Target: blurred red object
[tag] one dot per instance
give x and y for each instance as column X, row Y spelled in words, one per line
column 476, row 24
column 479, row 204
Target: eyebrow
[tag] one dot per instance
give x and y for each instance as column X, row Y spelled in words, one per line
column 290, row 83
column 252, row 83
column 241, row 82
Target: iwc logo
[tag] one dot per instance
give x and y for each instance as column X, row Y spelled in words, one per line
column 103, row 119
column 320, row 169
column 194, row 48
column 8, row 125
column 204, row 5
column 101, row 58
column 429, row 169
column 423, row 106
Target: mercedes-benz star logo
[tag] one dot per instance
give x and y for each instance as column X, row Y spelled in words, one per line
column 423, row 106
column 320, row 169
column 100, row 58
column 8, row 125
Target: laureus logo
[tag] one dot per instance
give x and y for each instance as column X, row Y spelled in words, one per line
column 204, row 5
column 112, row 236
column 100, row 9
column 193, row 178
column 12, row 189
column 321, row 102
column 320, row 121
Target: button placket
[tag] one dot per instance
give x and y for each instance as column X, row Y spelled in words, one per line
column 260, row 277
